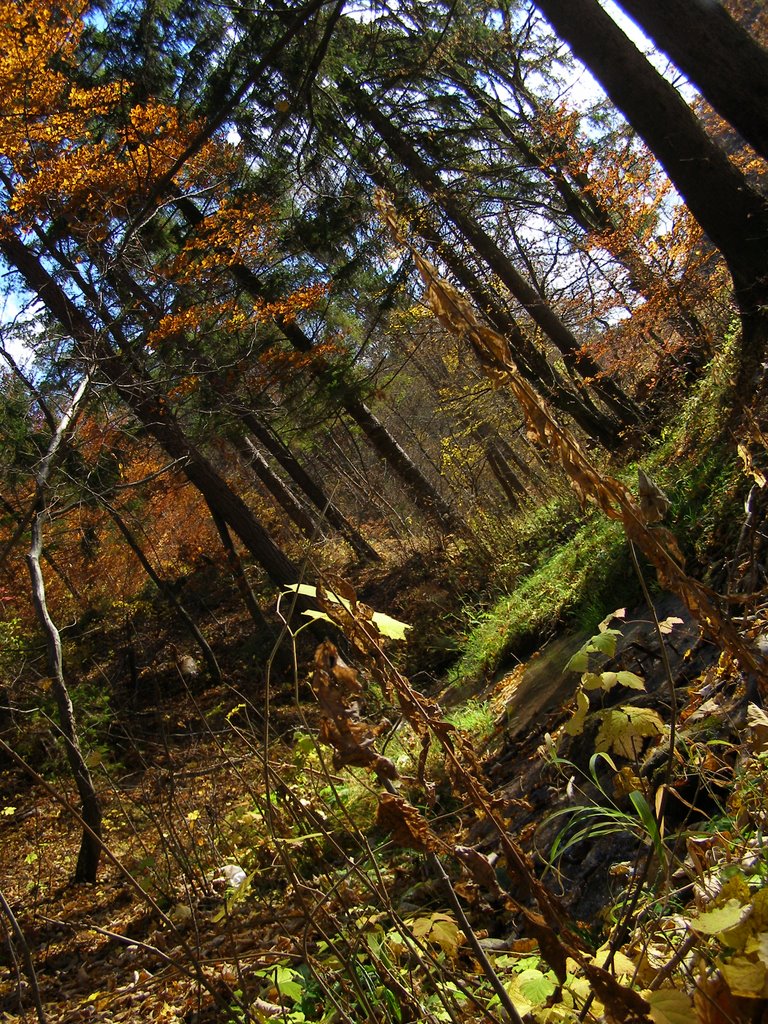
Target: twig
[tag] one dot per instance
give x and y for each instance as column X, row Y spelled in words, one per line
column 472, row 939
column 27, row 957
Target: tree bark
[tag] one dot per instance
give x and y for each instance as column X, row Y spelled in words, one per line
column 717, row 54
column 718, row 195
column 90, row 844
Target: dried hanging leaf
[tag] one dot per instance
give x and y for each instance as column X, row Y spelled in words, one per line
column 337, row 688
column 405, row 824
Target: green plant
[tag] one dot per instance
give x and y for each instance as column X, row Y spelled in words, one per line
column 569, row 586
column 600, row 815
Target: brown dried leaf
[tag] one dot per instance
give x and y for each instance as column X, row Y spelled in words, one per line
column 406, row 825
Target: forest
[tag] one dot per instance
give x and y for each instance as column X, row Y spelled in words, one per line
column 383, row 478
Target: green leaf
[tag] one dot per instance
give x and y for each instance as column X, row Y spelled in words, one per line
column 535, row 986
column 650, row 824
column 592, row 680
column 392, row 628
column 313, row 613
column 721, row 918
column 604, row 643
column 579, row 662
column 631, row 680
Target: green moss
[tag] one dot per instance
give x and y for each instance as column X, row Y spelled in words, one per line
column 583, row 576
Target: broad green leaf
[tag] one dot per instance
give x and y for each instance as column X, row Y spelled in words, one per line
column 392, row 628
column 302, row 588
column 535, row 986
column 721, row 918
column 670, row 1006
column 631, row 680
column 522, row 1004
column 604, row 643
column 579, row 662
column 625, row 729
column 313, row 613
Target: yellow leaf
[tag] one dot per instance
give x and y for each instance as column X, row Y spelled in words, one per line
column 670, row 1006
column 745, row 977
column 575, row 727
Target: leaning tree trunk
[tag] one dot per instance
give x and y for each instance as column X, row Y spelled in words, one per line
column 310, row 487
column 285, row 498
column 717, row 54
column 153, row 411
column 718, row 195
column 90, row 843
column 487, row 249
column 237, row 569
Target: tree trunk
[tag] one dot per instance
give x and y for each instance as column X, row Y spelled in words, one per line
column 285, row 499
column 716, row 192
column 285, row 458
column 721, row 58
column 497, row 261
column 90, row 844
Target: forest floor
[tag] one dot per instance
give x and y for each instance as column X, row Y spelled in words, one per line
column 246, row 872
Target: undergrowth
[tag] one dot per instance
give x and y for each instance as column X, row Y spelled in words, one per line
column 572, row 564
